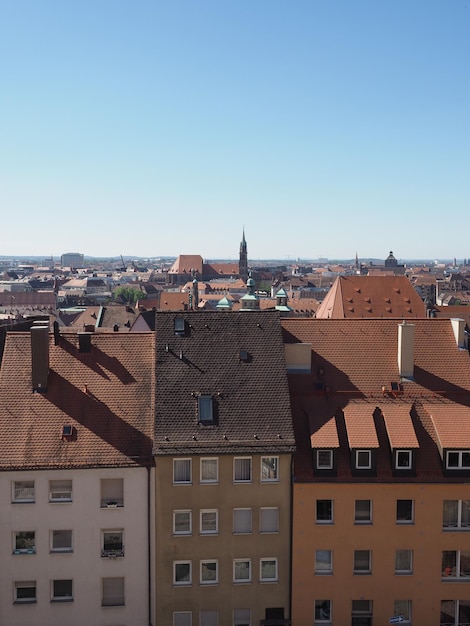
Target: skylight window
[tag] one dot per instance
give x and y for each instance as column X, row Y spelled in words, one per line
column 205, row 409
column 180, row 326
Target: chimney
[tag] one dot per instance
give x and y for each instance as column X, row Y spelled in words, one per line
column 458, row 326
column 39, row 356
column 406, row 340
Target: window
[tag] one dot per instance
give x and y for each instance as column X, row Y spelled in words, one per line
column 60, row 491
column 241, row 521
column 455, row 613
column 62, row 591
column 61, row 541
column 23, row 491
column 182, row 471
column 112, row 592
column 361, row 613
column 241, row 617
column 182, row 522
column 209, row 522
column 205, row 410
column 242, row 470
column 182, row 572
column 363, row 512
column 25, row 592
column 458, row 459
column 325, row 459
column 363, row 459
column 269, row 520
column 112, row 543
column 209, row 470
column 322, row 612
column 403, row 562
column 455, row 564
column 324, row 511
column 269, row 469
column 404, row 511
column 209, row 573
column 182, row 618
column 208, row 618
column 112, row 493
column 242, row 570
column 456, row 514
column 268, row 570
column 179, row 326
column 362, row 562
column 402, row 607
column 323, row 562
column 24, row 542
column 403, row 459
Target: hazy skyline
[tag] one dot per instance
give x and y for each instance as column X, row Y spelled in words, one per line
column 161, row 128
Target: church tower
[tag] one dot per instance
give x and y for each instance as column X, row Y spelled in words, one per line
column 243, row 261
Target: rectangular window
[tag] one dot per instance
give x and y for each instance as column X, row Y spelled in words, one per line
column 182, row 572
column 403, row 561
column 23, row 491
column 60, row 491
column 242, row 570
column 363, row 512
column 242, row 521
column 455, row 564
column 210, row 470
column 25, row 592
column 61, row 541
column 112, row 493
column 269, row 520
column 362, row 562
column 456, row 514
column 458, row 459
column 325, row 459
column 24, row 542
column 208, row 618
column 182, row 618
column 112, row 543
column 205, row 409
column 269, row 469
column 323, row 562
column 242, row 470
column 182, row 522
column 241, row 617
column 322, row 612
column 402, row 607
column 361, row 613
column 363, row 459
column 404, row 511
column 455, row 613
column 209, row 574
column 112, row 592
column 182, row 471
column 62, row 591
column 324, row 512
column 268, row 570
column 403, row 459
column 209, row 522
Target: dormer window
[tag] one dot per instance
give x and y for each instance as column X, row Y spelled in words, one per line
column 458, row 459
column 180, row 326
column 363, row 459
column 324, row 459
column 403, row 459
column 205, row 409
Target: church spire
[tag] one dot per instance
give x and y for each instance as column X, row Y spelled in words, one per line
column 243, row 259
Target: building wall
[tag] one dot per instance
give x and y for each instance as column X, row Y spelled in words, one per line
column 225, row 545
column 84, row 566
column 425, row 586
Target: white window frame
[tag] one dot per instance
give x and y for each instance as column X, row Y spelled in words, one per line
column 268, row 579
column 108, row 600
column 61, row 549
column 23, row 491
column 201, row 566
column 456, row 604
column 460, row 465
column 183, row 583
column 324, row 466
column 61, row 598
column 266, row 470
column 242, row 532
column 243, row 480
column 112, row 553
column 208, row 481
column 362, row 520
column 406, row 521
column 25, row 584
column 323, row 571
column 264, row 510
column 458, row 559
column 241, row 617
column 17, row 537
column 369, row 456
column 402, row 571
column 60, row 491
column 322, row 620
column 189, row 514
column 208, row 618
column 360, row 571
column 459, row 524
column 210, row 531
column 402, row 468
column 400, row 610
column 183, row 614
column 250, row 574
column 330, row 520
column 176, row 462
column 112, row 493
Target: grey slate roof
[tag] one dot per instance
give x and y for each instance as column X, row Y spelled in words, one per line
column 250, row 397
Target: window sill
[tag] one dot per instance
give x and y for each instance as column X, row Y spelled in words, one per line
column 362, row 573
column 112, row 606
column 61, row 600
column 32, row 601
column 323, row 573
column 403, row 573
column 61, row 551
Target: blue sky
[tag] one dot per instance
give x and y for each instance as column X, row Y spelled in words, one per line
column 153, row 128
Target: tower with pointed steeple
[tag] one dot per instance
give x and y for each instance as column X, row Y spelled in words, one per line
column 243, row 260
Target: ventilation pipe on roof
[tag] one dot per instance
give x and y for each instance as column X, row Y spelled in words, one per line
column 406, row 340
column 39, row 356
column 458, row 326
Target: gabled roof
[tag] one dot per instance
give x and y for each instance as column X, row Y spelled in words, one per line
column 185, row 263
column 106, row 395
column 249, row 391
